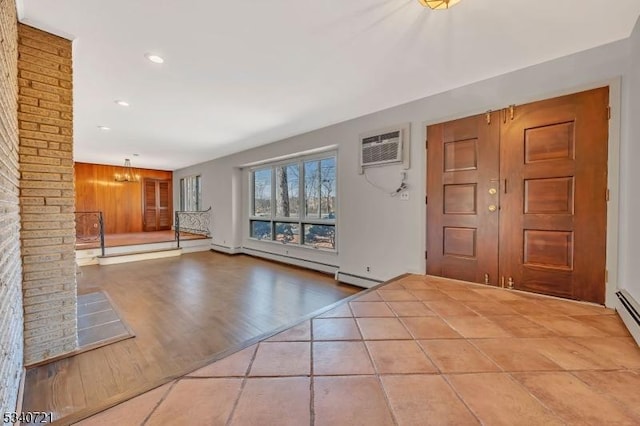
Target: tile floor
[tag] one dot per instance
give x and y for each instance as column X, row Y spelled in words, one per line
column 418, row 351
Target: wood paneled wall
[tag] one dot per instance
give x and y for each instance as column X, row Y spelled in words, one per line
column 120, row 202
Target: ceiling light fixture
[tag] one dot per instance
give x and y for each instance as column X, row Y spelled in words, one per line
column 122, row 103
column 105, row 128
column 127, row 173
column 439, row 4
column 154, row 58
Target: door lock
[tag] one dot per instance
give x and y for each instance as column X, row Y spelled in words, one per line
column 493, row 191
column 493, row 208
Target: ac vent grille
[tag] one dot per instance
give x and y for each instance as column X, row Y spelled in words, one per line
column 384, row 147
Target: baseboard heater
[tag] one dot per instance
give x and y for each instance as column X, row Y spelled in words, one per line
column 357, row 280
column 629, row 311
column 633, row 312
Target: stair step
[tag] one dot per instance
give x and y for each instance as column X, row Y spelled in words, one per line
column 112, row 259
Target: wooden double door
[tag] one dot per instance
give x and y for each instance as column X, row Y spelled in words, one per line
column 517, row 198
column 156, row 209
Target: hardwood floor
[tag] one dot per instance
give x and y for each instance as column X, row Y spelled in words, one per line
column 135, row 238
column 184, row 311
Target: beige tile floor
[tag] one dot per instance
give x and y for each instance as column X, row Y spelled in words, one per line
column 418, row 351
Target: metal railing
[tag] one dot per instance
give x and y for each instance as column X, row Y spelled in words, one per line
column 90, row 228
column 198, row 222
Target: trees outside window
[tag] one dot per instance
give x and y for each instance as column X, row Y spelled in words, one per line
column 303, row 194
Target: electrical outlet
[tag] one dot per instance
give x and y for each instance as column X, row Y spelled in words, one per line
column 404, row 196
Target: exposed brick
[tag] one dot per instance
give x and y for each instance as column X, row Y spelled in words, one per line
column 45, row 184
column 32, row 142
column 40, row 176
column 49, row 129
column 29, row 75
column 40, row 209
column 39, row 94
column 11, row 313
column 56, row 106
column 27, row 100
column 29, row 201
column 32, row 159
column 47, row 194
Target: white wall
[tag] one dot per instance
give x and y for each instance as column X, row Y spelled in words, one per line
column 376, row 230
column 630, row 177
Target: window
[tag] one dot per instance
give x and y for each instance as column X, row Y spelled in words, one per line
column 295, row 202
column 190, row 194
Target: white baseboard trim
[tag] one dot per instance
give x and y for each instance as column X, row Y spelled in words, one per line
column 357, row 280
column 629, row 310
column 309, row 264
column 225, row 249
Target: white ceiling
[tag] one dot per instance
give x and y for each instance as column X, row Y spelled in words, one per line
column 239, row 74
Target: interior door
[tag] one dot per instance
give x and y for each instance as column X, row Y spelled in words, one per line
column 553, row 214
column 157, row 205
column 463, row 199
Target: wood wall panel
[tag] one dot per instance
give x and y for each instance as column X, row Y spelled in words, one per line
column 120, row 202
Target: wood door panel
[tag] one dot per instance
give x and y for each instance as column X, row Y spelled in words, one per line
column 460, row 242
column 460, row 199
column 461, row 155
column 548, row 196
column 550, row 142
column 548, row 249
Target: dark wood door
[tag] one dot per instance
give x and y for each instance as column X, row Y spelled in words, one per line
column 553, row 218
column 463, row 191
column 157, row 205
column 544, row 167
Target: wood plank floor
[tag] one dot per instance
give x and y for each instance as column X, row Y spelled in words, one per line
column 135, row 238
column 184, row 310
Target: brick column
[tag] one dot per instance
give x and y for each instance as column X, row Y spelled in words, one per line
column 46, row 194
column 11, row 324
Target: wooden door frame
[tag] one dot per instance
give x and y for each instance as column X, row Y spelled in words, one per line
column 613, row 177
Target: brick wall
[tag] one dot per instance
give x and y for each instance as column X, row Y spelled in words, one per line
column 46, row 194
column 10, row 268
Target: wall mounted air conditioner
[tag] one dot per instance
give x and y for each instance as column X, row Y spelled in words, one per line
column 385, row 146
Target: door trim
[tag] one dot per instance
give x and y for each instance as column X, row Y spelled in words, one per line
column 613, row 177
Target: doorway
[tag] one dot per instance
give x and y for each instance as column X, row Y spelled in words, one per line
column 157, row 210
column 517, row 197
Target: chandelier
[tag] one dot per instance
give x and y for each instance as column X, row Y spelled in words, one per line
column 127, row 173
column 438, row 4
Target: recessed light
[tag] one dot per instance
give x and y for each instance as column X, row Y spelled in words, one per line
column 105, row 128
column 122, row 103
column 154, row 58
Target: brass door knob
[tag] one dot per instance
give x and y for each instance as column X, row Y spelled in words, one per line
column 492, row 208
column 492, row 191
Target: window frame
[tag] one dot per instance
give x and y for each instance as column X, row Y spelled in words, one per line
column 198, row 182
column 301, row 220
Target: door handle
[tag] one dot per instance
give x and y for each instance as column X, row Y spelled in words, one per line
column 493, row 208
